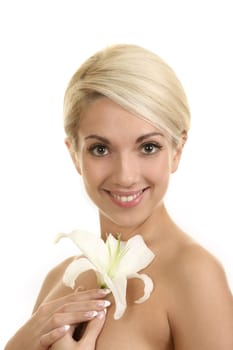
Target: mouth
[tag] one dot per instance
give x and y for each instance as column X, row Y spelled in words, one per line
column 127, row 199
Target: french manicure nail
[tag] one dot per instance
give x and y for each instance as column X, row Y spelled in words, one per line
column 107, row 303
column 101, row 314
column 104, row 291
column 90, row 314
column 103, row 303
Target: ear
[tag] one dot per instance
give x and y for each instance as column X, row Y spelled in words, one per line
column 73, row 154
column 177, row 152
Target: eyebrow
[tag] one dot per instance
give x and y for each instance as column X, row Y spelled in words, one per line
column 143, row 137
column 100, row 138
column 139, row 139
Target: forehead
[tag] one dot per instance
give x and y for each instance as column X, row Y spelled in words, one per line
column 105, row 116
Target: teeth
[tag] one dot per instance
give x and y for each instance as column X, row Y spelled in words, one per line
column 126, row 198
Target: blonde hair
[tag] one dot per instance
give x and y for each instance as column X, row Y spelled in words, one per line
column 136, row 79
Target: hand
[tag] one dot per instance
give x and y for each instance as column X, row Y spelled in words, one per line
column 49, row 322
column 88, row 340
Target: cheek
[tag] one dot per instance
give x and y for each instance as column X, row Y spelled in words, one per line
column 93, row 173
column 159, row 171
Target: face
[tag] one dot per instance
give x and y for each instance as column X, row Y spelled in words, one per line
column 125, row 163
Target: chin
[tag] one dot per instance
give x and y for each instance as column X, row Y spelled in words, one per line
column 124, row 222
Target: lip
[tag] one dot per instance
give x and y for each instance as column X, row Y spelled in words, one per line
column 128, row 199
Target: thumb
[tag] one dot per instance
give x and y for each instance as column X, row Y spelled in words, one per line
column 93, row 329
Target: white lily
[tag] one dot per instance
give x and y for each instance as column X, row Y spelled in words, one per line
column 114, row 261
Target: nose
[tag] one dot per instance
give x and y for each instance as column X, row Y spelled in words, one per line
column 125, row 171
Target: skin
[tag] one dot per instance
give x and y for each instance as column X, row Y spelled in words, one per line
column 46, row 326
column 191, row 306
column 87, row 341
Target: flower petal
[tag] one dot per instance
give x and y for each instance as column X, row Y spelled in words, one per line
column 74, row 269
column 148, row 286
column 137, row 256
column 92, row 246
column 118, row 288
column 112, row 244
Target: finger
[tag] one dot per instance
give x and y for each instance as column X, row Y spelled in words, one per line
column 50, row 338
column 56, row 307
column 79, row 289
column 93, row 329
column 60, row 319
column 97, row 305
column 75, row 297
column 90, row 294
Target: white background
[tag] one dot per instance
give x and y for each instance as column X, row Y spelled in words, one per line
column 42, row 43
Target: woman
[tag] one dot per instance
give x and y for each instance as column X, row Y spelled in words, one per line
column 126, row 121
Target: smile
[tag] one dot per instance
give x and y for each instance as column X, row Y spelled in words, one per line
column 127, row 200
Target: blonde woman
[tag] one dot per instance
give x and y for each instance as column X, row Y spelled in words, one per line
column 127, row 118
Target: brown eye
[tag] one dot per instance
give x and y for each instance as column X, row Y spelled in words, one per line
column 150, row 148
column 98, row 150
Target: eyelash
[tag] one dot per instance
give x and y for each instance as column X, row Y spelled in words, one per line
column 94, row 149
column 156, row 147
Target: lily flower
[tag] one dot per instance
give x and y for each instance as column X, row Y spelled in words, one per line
column 113, row 261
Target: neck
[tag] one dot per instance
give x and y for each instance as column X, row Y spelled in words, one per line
column 153, row 229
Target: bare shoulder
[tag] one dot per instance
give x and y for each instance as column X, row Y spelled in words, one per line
column 53, row 278
column 195, row 267
column 201, row 307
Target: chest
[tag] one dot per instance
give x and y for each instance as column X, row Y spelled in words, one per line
column 143, row 326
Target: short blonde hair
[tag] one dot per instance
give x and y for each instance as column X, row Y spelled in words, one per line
column 136, row 79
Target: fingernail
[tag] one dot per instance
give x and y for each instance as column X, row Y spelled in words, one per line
column 101, row 314
column 104, row 291
column 103, row 303
column 62, row 330
column 90, row 314
column 79, row 289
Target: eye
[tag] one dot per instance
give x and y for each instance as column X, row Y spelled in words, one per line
column 151, row 148
column 98, row 150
